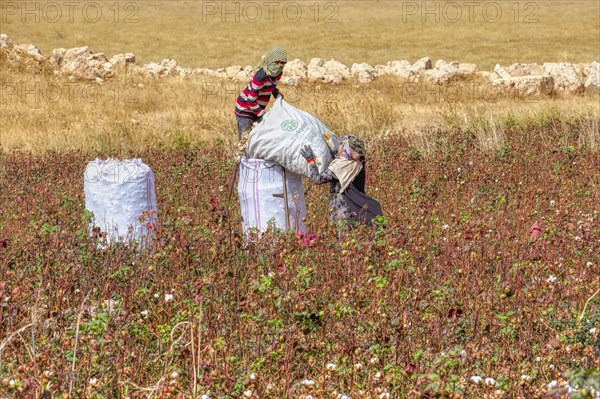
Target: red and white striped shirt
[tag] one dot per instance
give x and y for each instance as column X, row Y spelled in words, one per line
column 252, row 102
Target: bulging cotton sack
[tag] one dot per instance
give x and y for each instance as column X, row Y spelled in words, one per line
column 283, row 131
column 122, row 197
column 260, row 189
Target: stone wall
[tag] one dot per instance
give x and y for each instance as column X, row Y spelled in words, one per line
column 81, row 63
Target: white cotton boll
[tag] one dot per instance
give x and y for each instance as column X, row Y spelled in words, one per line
column 168, row 297
column 552, row 384
column 490, row 382
column 476, row 379
column 331, row 366
column 205, row 396
column 308, row 383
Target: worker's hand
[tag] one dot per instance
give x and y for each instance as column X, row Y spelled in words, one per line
column 308, row 154
column 328, row 141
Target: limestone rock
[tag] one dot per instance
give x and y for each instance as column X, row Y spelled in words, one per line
column 422, row 65
column 154, row 69
column 327, row 71
column 364, row 72
column 402, row 69
column 466, row 69
column 5, row 43
column 294, row 72
column 315, row 69
column 81, row 63
column 516, row 70
column 56, row 59
column 295, row 68
column 336, row 71
column 501, row 73
column 167, row 67
column 444, row 71
column 25, row 57
column 202, row 71
column 238, row 72
column 527, row 85
column 122, row 59
column 437, row 76
column 565, row 77
column 592, row 80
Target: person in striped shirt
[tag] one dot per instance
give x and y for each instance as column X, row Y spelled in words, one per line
column 251, row 103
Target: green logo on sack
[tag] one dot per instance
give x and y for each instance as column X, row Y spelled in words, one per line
column 289, row 125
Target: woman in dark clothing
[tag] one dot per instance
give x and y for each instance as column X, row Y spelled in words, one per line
column 346, row 174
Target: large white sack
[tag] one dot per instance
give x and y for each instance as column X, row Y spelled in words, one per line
column 283, row 131
column 122, row 197
column 259, row 181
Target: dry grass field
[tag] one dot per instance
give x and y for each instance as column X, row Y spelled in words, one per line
column 49, row 113
column 223, row 33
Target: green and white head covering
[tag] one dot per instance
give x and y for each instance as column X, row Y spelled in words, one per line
column 268, row 61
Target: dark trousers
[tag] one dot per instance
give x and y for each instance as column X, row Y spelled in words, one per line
column 244, row 125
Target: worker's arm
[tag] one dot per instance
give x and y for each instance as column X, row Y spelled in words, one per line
column 326, row 176
column 315, row 176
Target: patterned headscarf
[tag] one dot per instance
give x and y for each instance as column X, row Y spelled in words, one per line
column 268, row 61
column 351, row 142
